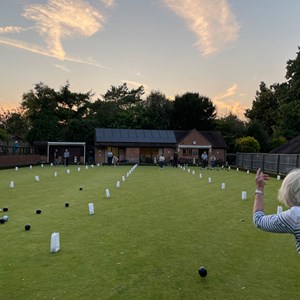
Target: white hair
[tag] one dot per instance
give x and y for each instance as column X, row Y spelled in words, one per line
column 289, row 192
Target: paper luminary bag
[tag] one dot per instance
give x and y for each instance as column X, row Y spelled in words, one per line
column 279, row 210
column 223, row 186
column 91, row 208
column 118, row 184
column 107, row 193
column 12, row 185
column 244, row 195
column 55, row 242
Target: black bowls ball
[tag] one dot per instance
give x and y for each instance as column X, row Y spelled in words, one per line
column 27, row 227
column 66, row 204
column 202, row 272
column 38, row 211
column 2, row 221
column 5, row 209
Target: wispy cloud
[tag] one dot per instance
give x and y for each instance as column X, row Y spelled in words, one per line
column 12, row 29
column 229, row 92
column 212, row 21
column 229, row 102
column 108, row 3
column 56, row 21
column 42, row 51
column 59, row 20
column 135, row 84
column 63, row 68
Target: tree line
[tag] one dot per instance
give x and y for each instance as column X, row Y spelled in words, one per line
column 48, row 115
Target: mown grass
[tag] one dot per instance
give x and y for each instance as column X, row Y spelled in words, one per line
column 145, row 242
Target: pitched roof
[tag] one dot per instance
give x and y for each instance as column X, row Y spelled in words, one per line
column 291, row 147
column 181, row 134
column 135, row 136
column 215, row 138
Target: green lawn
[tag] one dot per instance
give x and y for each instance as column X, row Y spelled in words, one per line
column 146, row 241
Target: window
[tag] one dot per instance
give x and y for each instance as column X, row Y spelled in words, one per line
column 187, row 152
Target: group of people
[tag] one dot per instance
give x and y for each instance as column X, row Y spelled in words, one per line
column 66, row 157
column 204, row 160
column 112, row 159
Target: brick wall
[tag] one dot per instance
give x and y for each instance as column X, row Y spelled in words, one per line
column 18, row 160
column 133, row 155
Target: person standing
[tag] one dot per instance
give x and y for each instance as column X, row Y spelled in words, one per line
column 109, row 157
column 287, row 221
column 55, row 157
column 115, row 160
column 213, row 161
column 204, row 159
column 161, row 161
column 16, row 147
column 175, row 161
column 66, row 158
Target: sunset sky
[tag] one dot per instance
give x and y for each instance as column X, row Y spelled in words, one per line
column 221, row 49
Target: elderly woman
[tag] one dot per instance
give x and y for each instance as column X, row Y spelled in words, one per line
column 289, row 193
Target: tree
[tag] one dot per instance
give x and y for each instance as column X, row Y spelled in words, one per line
column 157, row 111
column 123, row 97
column 231, row 128
column 277, row 108
column 73, row 108
column 4, row 135
column 119, row 107
column 265, row 108
column 40, row 108
column 256, row 130
column 14, row 123
column 193, row 111
column 290, row 119
column 247, row 144
column 50, row 113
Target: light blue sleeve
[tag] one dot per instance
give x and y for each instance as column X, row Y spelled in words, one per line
column 271, row 223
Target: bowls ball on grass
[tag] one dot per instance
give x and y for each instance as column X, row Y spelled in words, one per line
column 67, row 204
column 5, row 218
column 2, row 221
column 5, row 209
column 27, row 227
column 38, row 211
column 202, row 272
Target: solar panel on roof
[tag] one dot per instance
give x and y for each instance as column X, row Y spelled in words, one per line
column 134, row 135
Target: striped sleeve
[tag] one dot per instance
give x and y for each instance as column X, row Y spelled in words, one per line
column 271, row 223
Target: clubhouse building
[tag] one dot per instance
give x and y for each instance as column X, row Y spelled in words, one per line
column 145, row 146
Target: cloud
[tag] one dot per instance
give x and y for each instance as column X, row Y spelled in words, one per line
column 55, row 21
column 58, row 20
column 229, row 92
column 108, row 3
column 63, row 68
column 135, row 84
column 231, row 104
column 211, row 21
column 42, row 51
column 12, row 29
